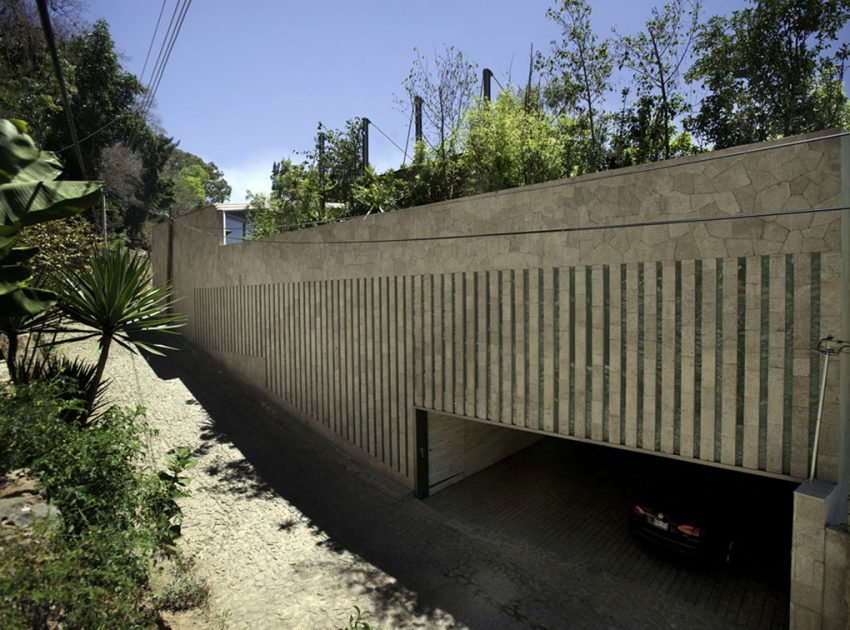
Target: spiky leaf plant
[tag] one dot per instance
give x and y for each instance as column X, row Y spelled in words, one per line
column 112, row 298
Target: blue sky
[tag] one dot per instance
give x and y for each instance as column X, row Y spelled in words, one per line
column 248, row 81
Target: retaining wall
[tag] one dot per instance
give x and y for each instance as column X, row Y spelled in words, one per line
column 646, row 308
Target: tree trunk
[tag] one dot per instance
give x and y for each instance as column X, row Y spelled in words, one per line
column 105, row 342
column 662, row 83
column 12, row 355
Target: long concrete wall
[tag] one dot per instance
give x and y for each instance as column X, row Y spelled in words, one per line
column 646, row 308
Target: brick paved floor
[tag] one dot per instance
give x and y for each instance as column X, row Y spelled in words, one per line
column 572, row 499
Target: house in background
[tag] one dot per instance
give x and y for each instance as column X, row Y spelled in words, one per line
column 234, row 222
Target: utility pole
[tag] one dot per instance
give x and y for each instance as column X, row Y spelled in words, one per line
column 486, row 75
column 57, row 68
column 365, row 122
column 417, row 108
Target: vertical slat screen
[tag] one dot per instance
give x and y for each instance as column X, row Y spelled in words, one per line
column 707, row 359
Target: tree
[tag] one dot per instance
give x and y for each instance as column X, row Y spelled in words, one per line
column 656, row 56
column 579, row 71
column 122, row 180
column 192, row 183
column 28, row 87
column 103, row 97
column 190, row 188
column 446, row 89
column 639, row 135
column 507, row 144
column 342, row 162
column 770, row 71
column 216, row 190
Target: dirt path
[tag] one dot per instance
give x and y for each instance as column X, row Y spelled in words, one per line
column 292, row 533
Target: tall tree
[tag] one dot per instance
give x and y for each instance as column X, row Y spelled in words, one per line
column 771, row 70
column 192, row 182
column 579, row 71
column 342, row 161
column 28, row 87
column 103, row 97
column 656, row 57
column 446, row 86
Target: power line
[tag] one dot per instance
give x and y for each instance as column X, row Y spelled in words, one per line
column 166, row 47
column 141, row 78
column 94, row 133
column 407, row 141
column 170, row 48
column 145, row 100
column 372, row 122
column 157, row 64
column 153, row 39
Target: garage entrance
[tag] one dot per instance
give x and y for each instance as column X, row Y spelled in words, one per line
column 572, row 499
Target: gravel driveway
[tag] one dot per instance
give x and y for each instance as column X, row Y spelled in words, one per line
column 292, row 533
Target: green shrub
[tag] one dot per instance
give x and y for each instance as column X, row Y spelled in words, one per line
column 118, row 519
column 89, row 581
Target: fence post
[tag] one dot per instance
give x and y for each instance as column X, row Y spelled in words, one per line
column 486, row 75
column 365, row 122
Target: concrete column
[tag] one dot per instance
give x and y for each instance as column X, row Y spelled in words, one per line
column 811, row 501
column 839, row 509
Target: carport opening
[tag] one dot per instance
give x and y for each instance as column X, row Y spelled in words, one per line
column 450, row 449
column 573, row 499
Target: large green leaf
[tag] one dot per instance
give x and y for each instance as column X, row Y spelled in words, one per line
column 34, row 202
column 13, row 277
column 17, row 150
column 29, row 194
column 46, row 168
column 25, row 301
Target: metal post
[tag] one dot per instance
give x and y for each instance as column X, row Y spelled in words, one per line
column 103, row 198
column 365, row 122
column 417, row 108
column 322, row 169
column 486, row 75
column 827, row 347
column 817, row 422
column 44, row 15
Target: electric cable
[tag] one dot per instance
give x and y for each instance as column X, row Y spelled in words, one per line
column 166, row 48
column 94, row 133
column 143, row 108
column 153, row 39
column 557, row 230
column 372, row 122
column 407, row 142
column 158, row 63
column 170, row 49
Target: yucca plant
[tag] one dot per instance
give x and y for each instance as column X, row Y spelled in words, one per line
column 112, row 298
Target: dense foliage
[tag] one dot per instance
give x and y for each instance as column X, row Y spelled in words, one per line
column 92, row 570
column 692, row 83
column 144, row 172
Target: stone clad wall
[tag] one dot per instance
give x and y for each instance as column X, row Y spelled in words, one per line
column 620, row 319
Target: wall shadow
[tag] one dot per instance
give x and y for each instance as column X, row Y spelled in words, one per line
column 441, row 567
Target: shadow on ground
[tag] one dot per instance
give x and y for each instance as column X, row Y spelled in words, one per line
column 441, row 567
